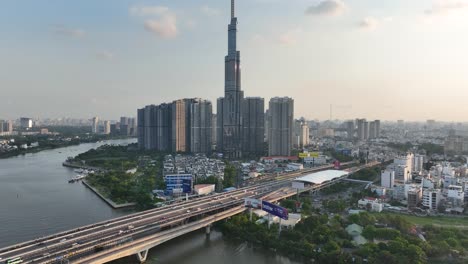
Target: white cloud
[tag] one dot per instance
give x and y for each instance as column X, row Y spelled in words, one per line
column 165, row 26
column 327, row 8
column 70, row 32
column 446, row 7
column 163, row 21
column 369, row 23
column 148, row 10
column 105, row 55
column 258, row 39
column 210, row 11
column 190, row 23
column 290, row 38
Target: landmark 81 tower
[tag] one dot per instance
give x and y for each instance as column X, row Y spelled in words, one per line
column 229, row 108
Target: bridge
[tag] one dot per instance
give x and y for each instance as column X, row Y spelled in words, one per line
column 136, row 233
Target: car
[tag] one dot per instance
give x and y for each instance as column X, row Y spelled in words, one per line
column 46, row 254
column 63, row 240
column 106, row 225
column 75, row 244
column 121, row 232
column 188, row 211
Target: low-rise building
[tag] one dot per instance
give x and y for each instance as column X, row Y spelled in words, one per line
column 371, row 204
column 456, row 195
column 380, row 191
column 295, row 166
column 293, row 219
column 204, row 189
column 431, row 198
column 414, row 197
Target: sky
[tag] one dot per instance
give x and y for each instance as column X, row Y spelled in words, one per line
column 375, row 59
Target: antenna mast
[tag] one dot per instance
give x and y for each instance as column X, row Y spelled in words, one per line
column 233, row 5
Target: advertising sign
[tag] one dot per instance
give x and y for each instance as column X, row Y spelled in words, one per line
column 187, row 186
column 337, row 165
column 303, row 155
column 346, row 152
column 275, row 210
column 314, row 154
column 253, row 203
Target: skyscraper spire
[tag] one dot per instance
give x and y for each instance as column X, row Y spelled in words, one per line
column 233, row 8
column 229, row 107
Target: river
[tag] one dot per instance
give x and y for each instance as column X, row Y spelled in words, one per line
column 37, row 200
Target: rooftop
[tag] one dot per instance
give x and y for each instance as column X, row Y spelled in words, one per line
column 322, row 176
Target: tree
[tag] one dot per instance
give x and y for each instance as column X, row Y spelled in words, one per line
column 230, row 176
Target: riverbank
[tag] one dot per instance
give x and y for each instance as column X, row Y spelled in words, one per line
column 37, row 199
column 108, row 201
column 19, row 152
column 57, row 145
column 84, row 167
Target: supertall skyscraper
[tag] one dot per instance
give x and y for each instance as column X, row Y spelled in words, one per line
column 229, row 107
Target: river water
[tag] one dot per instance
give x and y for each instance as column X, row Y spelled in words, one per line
column 37, row 200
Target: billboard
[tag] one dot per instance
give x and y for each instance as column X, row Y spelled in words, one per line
column 275, row 210
column 187, row 186
column 178, row 183
column 253, row 203
column 314, row 154
column 346, row 152
column 303, row 155
column 337, row 165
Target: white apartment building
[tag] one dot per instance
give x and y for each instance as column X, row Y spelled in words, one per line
column 431, row 198
column 456, row 193
column 387, row 178
column 418, row 163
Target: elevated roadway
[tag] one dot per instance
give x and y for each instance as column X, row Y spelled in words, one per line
column 136, row 233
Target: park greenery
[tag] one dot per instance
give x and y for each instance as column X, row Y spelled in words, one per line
column 119, row 184
column 367, row 174
column 338, row 187
column 71, row 137
column 430, row 148
column 110, row 157
column 322, row 238
column 338, row 155
column 230, row 177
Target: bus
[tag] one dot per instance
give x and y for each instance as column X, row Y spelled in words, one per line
column 14, row 261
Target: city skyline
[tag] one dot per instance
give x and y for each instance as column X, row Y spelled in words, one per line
column 409, row 55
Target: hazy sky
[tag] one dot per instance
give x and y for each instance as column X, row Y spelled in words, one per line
column 387, row 59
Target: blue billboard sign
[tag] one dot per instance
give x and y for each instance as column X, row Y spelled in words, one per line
column 177, row 183
column 346, row 152
column 275, row 210
column 187, row 186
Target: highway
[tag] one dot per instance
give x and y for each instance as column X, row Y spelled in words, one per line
column 84, row 241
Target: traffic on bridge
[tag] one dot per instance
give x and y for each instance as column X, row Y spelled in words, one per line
column 136, row 233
